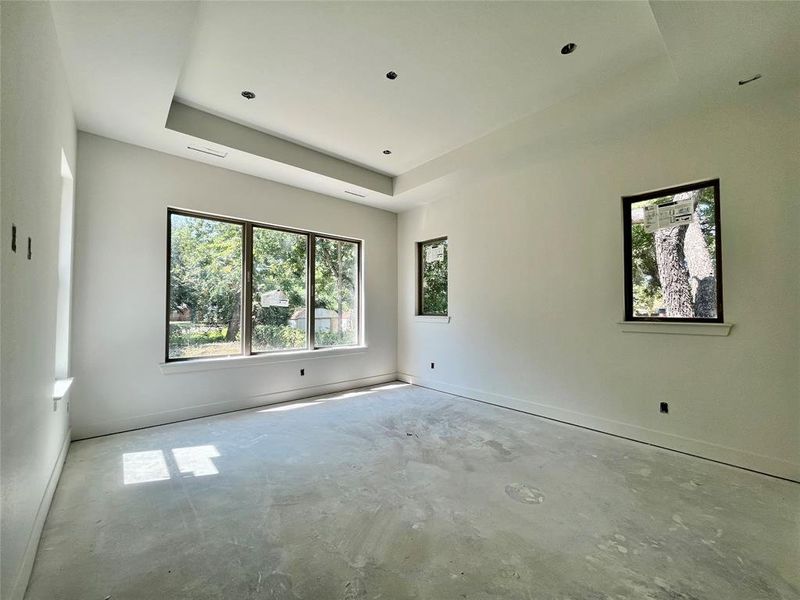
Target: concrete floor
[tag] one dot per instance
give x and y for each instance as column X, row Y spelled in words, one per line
column 402, row 492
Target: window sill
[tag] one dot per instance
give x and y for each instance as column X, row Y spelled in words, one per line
column 432, row 318
column 235, row 362
column 61, row 387
column 715, row 329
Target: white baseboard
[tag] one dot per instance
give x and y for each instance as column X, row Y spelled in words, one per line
column 24, row 572
column 89, row 430
column 730, row 456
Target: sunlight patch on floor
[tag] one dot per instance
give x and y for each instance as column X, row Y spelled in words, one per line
column 296, row 405
column 141, row 467
column 196, row 460
column 151, row 465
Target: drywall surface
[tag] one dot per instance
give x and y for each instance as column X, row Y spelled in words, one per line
column 536, row 289
column 123, row 192
column 37, row 123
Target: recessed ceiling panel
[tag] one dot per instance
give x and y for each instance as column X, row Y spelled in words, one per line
column 463, row 69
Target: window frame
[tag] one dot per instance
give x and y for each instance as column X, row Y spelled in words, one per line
column 311, row 293
column 246, row 306
column 627, row 203
column 420, row 245
column 250, row 226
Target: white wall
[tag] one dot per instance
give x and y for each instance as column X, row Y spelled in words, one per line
column 536, row 290
column 123, row 192
column 37, row 123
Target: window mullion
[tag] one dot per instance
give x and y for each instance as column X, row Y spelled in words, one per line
column 247, row 291
column 311, row 301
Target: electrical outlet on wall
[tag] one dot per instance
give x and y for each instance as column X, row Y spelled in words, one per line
column 432, row 365
column 663, row 407
column 302, row 372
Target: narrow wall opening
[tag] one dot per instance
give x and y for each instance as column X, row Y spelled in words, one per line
column 64, row 298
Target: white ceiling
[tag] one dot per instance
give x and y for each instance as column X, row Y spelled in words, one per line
column 465, row 68
column 475, row 78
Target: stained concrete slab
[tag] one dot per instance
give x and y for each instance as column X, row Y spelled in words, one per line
column 401, row 492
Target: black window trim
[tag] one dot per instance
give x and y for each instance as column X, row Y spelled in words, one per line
column 627, row 202
column 246, row 305
column 420, row 246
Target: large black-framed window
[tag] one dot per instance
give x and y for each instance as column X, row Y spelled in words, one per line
column 673, row 254
column 240, row 288
column 432, row 277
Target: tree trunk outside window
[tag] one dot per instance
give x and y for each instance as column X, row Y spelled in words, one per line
column 234, row 321
column 672, row 271
column 703, row 281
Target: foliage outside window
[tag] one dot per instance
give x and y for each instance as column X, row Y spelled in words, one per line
column 432, row 277
column 279, row 290
column 214, row 263
column 336, row 292
column 205, row 287
column 673, row 254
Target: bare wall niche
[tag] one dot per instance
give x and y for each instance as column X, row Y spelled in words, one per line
column 64, row 299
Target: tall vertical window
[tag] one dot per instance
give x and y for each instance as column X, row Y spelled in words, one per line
column 280, row 260
column 673, row 254
column 335, row 292
column 205, row 287
column 432, row 277
column 241, row 288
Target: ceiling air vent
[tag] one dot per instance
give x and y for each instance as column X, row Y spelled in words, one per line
column 755, row 77
column 207, row 150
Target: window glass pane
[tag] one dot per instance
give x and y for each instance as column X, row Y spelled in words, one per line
column 279, row 290
column 673, row 251
column 434, row 277
column 205, row 287
column 336, row 292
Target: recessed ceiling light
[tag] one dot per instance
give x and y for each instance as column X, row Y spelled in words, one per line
column 387, row 151
column 753, row 78
column 569, row 48
column 391, row 75
column 248, row 94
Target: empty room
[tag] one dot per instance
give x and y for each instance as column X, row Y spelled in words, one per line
column 400, row 300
